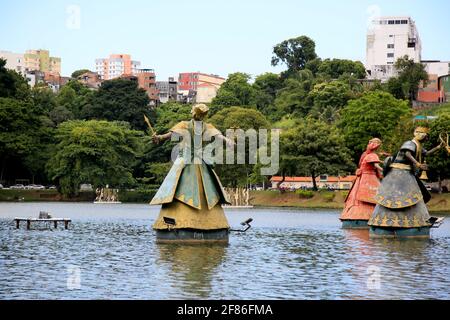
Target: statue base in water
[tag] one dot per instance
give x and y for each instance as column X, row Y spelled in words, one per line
column 355, row 224
column 386, row 232
column 108, row 202
column 192, row 235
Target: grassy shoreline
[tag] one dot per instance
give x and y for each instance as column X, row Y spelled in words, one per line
column 440, row 203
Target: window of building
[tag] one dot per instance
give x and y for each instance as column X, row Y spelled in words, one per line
column 390, row 46
column 391, row 22
column 390, row 62
column 397, row 21
column 404, row 21
column 390, row 55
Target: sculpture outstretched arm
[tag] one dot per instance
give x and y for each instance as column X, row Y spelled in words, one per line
column 435, row 149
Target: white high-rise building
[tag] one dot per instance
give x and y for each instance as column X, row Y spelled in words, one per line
column 14, row 61
column 390, row 38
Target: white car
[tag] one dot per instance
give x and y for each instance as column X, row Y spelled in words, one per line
column 38, row 187
column 17, row 186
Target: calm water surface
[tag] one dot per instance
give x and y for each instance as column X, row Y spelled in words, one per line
column 287, row 254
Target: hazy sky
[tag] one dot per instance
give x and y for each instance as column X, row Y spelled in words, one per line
column 210, row 36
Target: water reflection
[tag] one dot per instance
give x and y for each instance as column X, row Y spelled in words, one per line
column 192, row 266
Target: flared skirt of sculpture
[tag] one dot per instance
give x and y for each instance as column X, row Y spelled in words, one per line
column 187, row 217
column 400, row 202
column 185, row 182
column 410, row 217
column 360, row 202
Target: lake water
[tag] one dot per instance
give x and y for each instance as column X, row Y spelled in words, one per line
column 109, row 252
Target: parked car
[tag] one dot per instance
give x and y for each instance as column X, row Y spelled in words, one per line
column 17, row 186
column 1, row 186
column 51, row 187
column 35, row 187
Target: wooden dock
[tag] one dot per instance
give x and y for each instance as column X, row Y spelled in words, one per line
column 54, row 220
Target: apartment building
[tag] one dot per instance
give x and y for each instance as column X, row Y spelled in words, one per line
column 203, row 86
column 167, row 90
column 40, row 60
column 31, row 60
column 115, row 66
column 147, row 80
column 390, row 38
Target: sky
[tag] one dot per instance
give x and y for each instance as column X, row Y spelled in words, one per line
column 210, row 36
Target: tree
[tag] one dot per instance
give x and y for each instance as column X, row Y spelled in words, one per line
column 336, row 68
column 295, row 53
column 375, row 114
column 23, row 139
column 79, row 72
column 329, row 98
column 237, row 118
column 313, row 148
column 119, row 100
column 235, row 91
column 12, row 84
column 96, row 152
column 293, row 97
column 44, row 99
column 410, row 74
column 7, row 81
column 313, row 65
column 266, row 87
column 439, row 162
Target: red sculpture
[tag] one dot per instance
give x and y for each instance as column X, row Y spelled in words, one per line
column 360, row 202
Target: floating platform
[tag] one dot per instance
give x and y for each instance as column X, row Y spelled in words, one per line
column 192, row 235
column 354, row 224
column 107, row 202
column 386, row 232
column 395, row 232
column 236, row 207
column 54, row 220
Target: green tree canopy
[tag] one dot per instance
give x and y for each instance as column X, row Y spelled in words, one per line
column 329, row 98
column 439, row 162
column 375, row 114
column 96, row 152
column 119, row 100
column 23, row 139
column 237, row 118
column 266, row 88
column 12, row 84
column 313, row 148
column 335, row 68
column 236, row 90
column 295, row 53
column 293, row 97
column 78, row 73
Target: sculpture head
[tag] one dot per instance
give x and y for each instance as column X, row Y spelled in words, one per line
column 421, row 133
column 374, row 144
column 199, row 111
